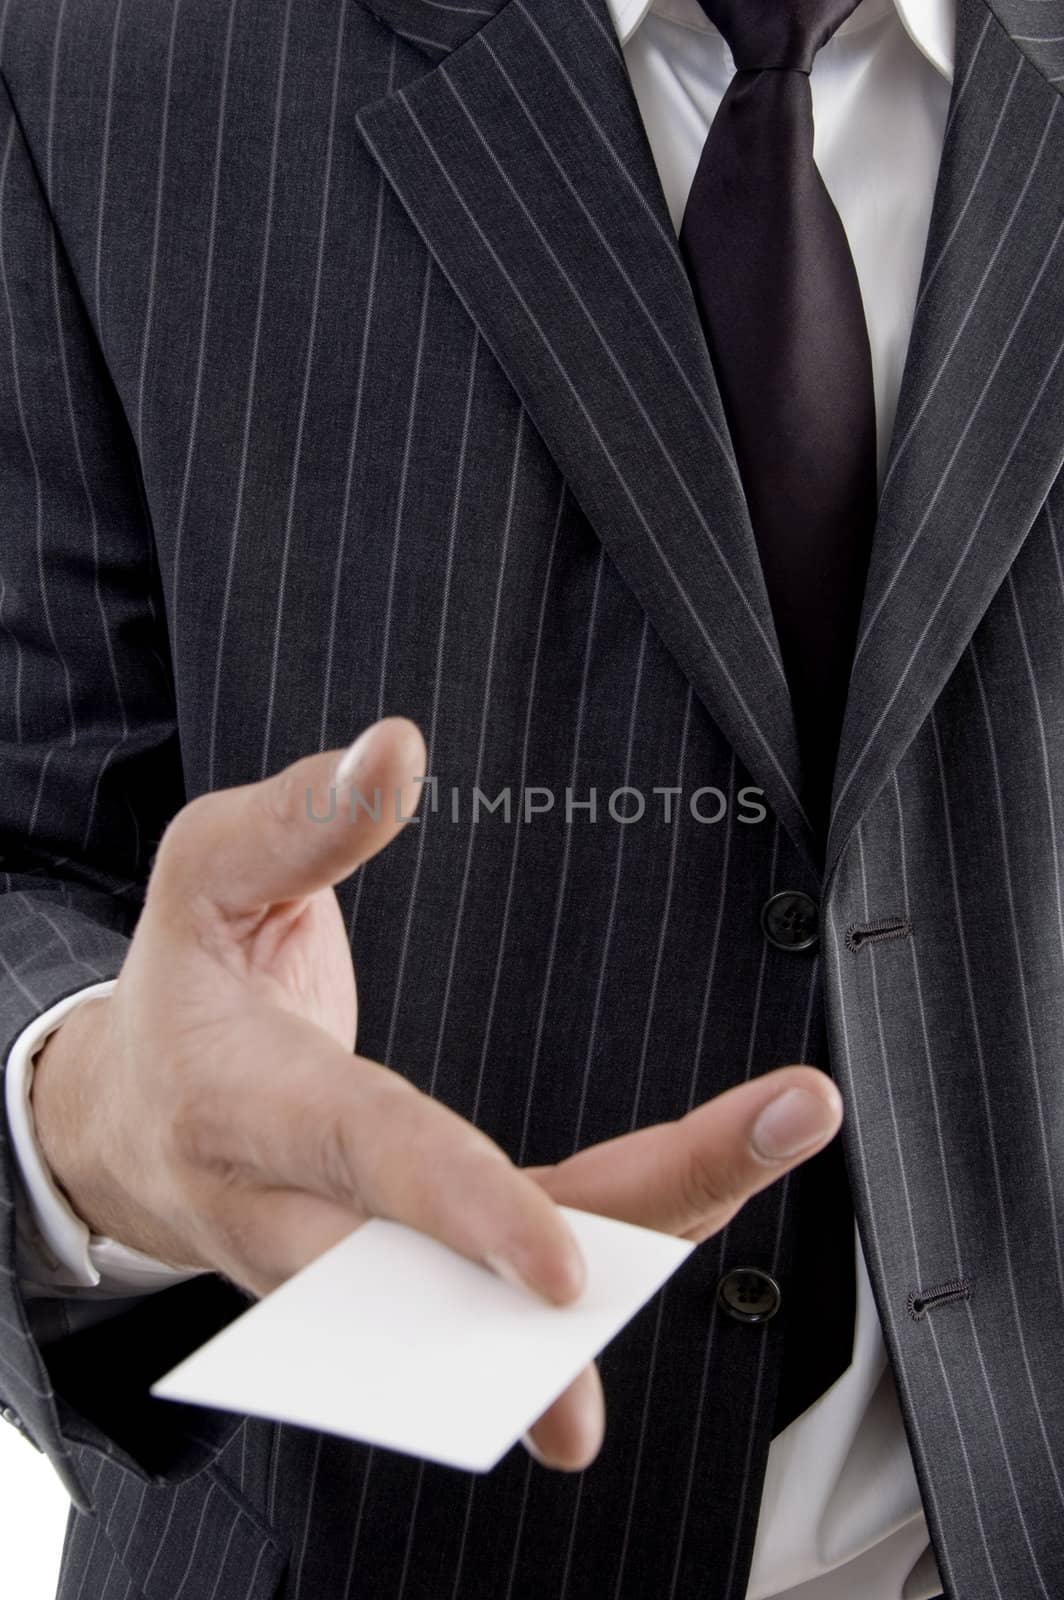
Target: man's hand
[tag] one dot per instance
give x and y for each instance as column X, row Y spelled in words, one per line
column 213, row 1112
column 691, row 1176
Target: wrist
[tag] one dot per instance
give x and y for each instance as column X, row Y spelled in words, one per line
column 62, row 1099
column 77, row 1117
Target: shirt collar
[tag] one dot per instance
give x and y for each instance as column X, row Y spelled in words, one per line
column 929, row 23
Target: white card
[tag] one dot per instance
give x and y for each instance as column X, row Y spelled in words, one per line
column 398, row 1341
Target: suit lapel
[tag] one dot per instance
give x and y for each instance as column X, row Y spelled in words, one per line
column 979, row 436
column 522, row 160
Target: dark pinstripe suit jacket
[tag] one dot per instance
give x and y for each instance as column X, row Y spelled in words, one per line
column 348, row 367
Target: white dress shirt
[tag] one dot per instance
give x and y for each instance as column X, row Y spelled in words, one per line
column 840, row 1514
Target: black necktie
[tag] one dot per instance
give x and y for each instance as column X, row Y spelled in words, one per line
column 781, row 307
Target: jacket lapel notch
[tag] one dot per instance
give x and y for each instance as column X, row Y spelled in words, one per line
column 435, row 28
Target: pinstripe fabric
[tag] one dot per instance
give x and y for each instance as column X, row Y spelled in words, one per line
column 509, row 225
column 955, row 507
column 998, row 1229
column 348, row 366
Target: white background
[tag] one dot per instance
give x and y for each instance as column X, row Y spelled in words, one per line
column 33, row 1510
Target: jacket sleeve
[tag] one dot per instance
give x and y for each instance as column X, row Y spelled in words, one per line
column 90, row 773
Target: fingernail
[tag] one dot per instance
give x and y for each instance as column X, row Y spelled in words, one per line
column 797, row 1119
column 533, row 1450
column 348, row 761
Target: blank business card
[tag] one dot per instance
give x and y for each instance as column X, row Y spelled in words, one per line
column 396, row 1340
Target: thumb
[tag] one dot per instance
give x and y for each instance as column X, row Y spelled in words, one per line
column 301, row 830
column 690, row 1177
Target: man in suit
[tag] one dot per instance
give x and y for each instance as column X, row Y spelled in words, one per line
column 515, row 369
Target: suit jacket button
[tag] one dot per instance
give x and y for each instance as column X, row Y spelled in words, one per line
column 748, row 1294
column 791, row 920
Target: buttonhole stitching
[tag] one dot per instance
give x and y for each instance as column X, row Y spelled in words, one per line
column 859, row 934
column 919, row 1302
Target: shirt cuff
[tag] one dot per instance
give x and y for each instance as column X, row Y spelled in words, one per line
column 56, row 1254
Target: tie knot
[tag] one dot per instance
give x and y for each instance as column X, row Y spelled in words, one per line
column 763, row 34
